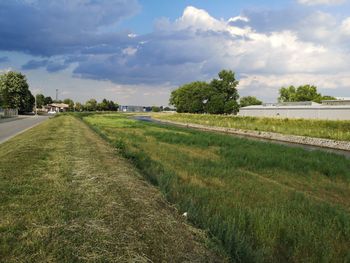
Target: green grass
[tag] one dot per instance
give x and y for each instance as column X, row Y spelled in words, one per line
column 336, row 130
column 264, row 202
column 67, row 196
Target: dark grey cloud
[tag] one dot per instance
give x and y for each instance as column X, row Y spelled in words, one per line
column 56, row 27
column 4, row 59
column 49, row 65
column 35, row 64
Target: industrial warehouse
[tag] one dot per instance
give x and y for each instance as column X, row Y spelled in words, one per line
column 327, row 110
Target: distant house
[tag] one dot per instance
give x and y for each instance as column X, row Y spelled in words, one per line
column 328, row 110
column 57, row 107
column 130, row 108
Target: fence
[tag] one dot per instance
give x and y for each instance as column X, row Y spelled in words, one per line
column 7, row 113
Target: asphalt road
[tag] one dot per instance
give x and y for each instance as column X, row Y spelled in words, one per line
column 11, row 127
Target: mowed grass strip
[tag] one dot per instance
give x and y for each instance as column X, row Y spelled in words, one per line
column 66, row 196
column 264, row 202
column 336, row 130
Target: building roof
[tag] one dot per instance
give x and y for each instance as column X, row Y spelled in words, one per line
column 59, row 105
column 326, row 104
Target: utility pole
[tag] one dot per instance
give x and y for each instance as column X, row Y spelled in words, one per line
column 36, row 107
column 56, row 95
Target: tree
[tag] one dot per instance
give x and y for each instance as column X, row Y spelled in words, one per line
column 218, row 97
column 326, row 97
column 107, row 105
column 48, row 100
column 190, row 97
column 15, row 92
column 224, row 88
column 249, row 100
column 215, row 104
column 103, row 106
column 40, row 100
column 70, row 104
column 78, row 106
column 91, row 105
column 307, row 93
column 302, row 93
column 113, row 106
column 287, row 94
column 155, row 109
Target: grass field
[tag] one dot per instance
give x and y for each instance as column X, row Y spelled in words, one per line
column 66, row 196
column 264, row 202
column 337, row 130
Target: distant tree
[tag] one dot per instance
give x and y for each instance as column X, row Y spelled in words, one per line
column 167, row 108
column 15, row 92
column 190, row 97
column 302, row 93
column 103, row 106
column 249, row 100
column 224, row 88
column 307, row 93
column 287, row 94
column 40, row 101
column 70, row 104
column 113, row 106
column 107, row 105
column 91, row 105
column 327, row 98
column 48, row 100
column 156, row 109
column 78, row 106
column 217, row 97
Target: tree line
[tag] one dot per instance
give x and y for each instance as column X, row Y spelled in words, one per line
column 220, row 96
column 15, row 94
column 90, row 105
column 302, row 93
column 217, row 97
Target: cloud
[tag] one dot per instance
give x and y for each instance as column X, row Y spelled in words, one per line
column 197, row 46
column 53, row 27
column 262, row 46
column 50, row 65
column 35, row 64
column 321, row 2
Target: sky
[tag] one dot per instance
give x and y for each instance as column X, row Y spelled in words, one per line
column 136, row 52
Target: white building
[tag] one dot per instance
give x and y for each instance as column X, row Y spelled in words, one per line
column 328, row 110
column 57, row 107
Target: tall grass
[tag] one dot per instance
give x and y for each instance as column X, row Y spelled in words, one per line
column 66, row 197
column 337, row 130
column 264, row 202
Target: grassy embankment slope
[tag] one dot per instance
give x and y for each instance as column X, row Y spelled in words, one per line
column 336, row 130
column 66, row 196
column 264, row 202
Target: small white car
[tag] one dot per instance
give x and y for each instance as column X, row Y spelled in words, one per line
column 51, row 112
